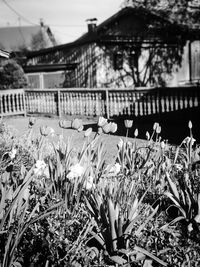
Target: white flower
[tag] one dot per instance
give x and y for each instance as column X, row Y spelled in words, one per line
column 136, row 132
column 147, row 135
column 75, row 171
column 179, row 167
column 102, row 121
column 13, row 153
column 89, row 184
column 162, row 145
column 190, row 228
column 197, row 218
column 114, row 170
column 51, row 131
column 189, row 139
column 190, row 125
column 40, row 167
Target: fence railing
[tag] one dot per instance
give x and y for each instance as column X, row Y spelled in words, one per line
column 12, row 102
column 96, row 102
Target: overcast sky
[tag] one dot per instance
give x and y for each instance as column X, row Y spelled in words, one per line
column 66, row 18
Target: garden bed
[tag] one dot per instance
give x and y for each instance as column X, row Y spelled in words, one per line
column 71, row 196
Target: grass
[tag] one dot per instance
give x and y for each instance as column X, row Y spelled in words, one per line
column 20, row 125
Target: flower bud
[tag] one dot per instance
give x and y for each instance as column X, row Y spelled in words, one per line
column 147, row 135
column 190, row 125
column 88, row 132
column 155, row 126
column 128, row 123
column 136, row 132
column 162, row 145
column 158, row 129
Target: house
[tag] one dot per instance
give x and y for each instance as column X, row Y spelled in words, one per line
column 132, row 48
column 26, row 37
column 4, row 54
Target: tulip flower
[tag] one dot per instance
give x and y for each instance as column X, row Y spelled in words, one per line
column 128, row 123
column 155, row 126
column 158, row 129
column 147, row 135
column 63, row 124
column 46, row 130
column 190, row 125
column 32, row 121
column 88, row 132
column 113, row 127
column 100, row 130
column 77, row 124
column 102, row 121
column 106, row 128
column 136, row 132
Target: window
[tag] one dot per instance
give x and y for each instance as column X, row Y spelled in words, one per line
column 118, row 61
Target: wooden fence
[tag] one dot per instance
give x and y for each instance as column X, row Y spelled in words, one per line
column 96, row 102
column 12, row 102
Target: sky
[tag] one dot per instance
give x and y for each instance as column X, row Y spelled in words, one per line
column 66, row 18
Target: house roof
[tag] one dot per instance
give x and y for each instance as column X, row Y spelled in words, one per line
column 14, row 38
column 4, row 54
column 141, row 13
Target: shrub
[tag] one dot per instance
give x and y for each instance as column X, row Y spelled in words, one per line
column 12, row 75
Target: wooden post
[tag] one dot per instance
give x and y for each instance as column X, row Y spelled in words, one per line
column 59, row 106
column 107, row 104
column 190, row 60
column 24, row 101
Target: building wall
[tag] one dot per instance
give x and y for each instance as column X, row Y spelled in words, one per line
column 169, row 72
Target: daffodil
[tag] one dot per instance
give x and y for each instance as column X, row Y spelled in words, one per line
column 13, row 153
column 40, row 167
column 89, row 183
column 75, row 171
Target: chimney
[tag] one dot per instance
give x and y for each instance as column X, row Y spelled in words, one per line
column 92, row 25
column 41, row 22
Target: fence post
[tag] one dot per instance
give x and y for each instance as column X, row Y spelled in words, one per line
column 107, row 104
column 24, row 100
column 59, row 106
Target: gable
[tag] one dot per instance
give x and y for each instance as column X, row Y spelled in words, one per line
column 138, row 23
column 15, row 38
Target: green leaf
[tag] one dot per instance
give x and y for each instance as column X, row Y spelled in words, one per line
column 118, row 260
column 150, row 255
column 173, row 187
column 141, row 227
column 112, row 214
